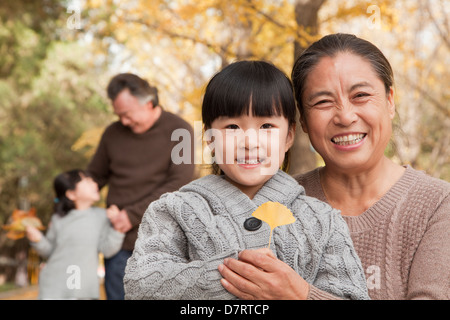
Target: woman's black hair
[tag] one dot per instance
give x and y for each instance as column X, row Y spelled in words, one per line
column 62, row 183
column 242, row 86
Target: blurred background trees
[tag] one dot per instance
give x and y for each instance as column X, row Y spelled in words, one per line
column 56, row 58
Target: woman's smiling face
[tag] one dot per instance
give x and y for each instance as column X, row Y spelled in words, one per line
column 347, row 112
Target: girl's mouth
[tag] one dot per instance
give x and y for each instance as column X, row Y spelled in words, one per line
column 248, row 161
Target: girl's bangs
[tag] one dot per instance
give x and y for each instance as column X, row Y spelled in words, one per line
column 242, row 100
column 248, row 88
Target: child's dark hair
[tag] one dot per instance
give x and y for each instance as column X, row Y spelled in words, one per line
column 245, row 85
column 62, row 183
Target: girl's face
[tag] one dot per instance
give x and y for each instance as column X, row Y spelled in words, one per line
column 250, row 150
column 85, row 193
column 348, row 114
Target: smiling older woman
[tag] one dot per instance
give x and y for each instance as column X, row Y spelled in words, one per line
column 399, row 218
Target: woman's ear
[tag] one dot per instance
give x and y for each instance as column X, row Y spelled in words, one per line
column 303, row 124
column 391, row 103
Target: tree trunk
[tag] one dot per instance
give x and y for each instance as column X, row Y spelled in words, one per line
column 303, row 158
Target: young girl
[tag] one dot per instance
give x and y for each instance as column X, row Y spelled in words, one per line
column 184, row 236
column 76, row 234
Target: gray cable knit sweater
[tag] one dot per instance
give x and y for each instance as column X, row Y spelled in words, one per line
column 185, row 235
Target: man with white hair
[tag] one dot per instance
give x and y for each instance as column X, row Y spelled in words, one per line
column 134, row 160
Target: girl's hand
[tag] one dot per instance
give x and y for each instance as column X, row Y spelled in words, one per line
column 33, row 234
column 259, row 275
column 112, row 212
column 119, row 219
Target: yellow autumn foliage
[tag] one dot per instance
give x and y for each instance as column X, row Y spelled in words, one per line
column 18, row 222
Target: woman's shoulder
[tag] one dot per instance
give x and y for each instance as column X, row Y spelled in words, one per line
column 425, row 195
column 422, row 186
column 432, row 182
column 311, row 182
column 311, row 175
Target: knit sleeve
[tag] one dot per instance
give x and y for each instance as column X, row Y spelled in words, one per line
column 47, row 244
column 160, row 267
column 110, row 239
column 340, row 271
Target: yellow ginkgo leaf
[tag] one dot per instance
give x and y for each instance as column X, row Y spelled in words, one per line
column 274, row 214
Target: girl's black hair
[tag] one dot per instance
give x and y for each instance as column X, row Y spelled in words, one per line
column 242, row 86
column 62, row 183
column 245, row 85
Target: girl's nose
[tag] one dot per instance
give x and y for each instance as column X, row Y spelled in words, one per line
column 248, row 139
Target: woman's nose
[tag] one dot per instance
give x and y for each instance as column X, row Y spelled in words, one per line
column 345, row 115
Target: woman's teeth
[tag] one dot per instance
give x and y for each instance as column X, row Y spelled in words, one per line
column 348, row 139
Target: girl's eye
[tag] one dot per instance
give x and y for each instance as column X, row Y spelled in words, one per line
column 266, row 126
column 232, row 126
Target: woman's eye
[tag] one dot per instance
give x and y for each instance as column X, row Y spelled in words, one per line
column 361, row 95
column 266, row 126
column 232, row 127
column 321, row 102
